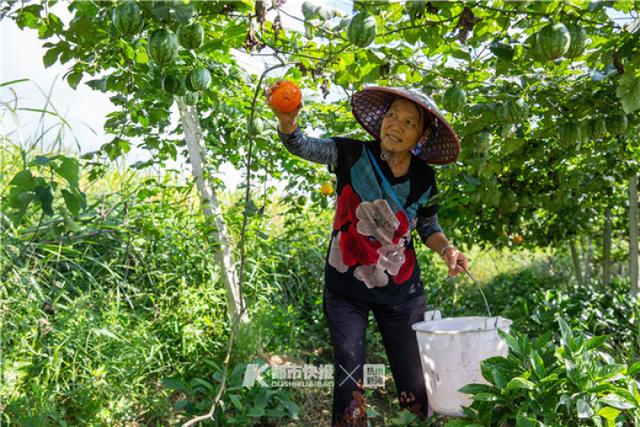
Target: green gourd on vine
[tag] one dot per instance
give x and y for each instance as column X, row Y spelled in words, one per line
column 127, row 18
column 200, row 79
column 616, row 124
column 172, row 84
column 191, row 36
column 578, row 40
column 553, row 41
column 569, row 134
column 361, row 30
column 597, row 128
column 454, row 99
column 515, row 111
column 163, row 46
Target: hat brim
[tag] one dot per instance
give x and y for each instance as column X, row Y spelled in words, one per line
column 370, row 104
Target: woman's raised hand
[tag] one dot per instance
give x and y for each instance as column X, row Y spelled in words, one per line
column 287, row 121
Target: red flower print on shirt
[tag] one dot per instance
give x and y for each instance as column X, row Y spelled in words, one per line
column 358, row 249
column 347, row 203
column 402, row 229
column 407, row 268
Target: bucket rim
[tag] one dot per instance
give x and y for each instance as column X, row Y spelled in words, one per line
column 505, row 323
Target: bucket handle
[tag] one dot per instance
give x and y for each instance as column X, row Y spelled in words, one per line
column 486, row 304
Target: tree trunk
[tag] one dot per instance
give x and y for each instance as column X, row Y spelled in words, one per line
column 222, row 251
column 587, row 261
column 576, row 261
column 606, row 247
column 633, row 234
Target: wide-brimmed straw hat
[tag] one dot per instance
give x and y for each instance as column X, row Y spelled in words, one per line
column 370, row 104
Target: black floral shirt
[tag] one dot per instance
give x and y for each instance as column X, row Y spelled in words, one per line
column 371, row 256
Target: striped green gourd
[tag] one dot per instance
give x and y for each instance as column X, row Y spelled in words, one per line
column 163, row 46
column 127, row 18
column 361, row 30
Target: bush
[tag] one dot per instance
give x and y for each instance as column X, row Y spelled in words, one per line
column 567, row 381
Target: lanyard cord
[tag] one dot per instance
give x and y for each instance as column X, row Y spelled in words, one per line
column 387, row 186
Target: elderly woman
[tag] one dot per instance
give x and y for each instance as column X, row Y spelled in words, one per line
column 383, row 191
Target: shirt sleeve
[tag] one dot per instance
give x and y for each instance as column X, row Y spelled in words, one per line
column 318, row 150
column 428, row 225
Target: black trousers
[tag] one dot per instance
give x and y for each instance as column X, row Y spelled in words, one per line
column 347, row 320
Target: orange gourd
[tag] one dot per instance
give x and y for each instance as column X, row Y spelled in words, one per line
column 285, row 97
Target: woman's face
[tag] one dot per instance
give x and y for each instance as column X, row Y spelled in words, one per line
column 401, row 126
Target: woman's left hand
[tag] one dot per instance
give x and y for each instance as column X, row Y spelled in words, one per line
column 456, row 261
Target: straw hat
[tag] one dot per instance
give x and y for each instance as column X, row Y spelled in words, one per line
column 370, row 104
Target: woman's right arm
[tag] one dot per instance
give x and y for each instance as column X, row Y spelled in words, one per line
column 318, row 150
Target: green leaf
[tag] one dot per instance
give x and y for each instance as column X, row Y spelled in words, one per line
column 23, row 180
column 173, row 383
column 42, row 160
column 201, row 382
column 141, row 56
column 524, row 421
column 634, row 369
column 478, row 388
column 575, row 344
column 628, row 91
column 616, row 402
column 537, row 364
column 511, row 341
column 609, row 371
column 45, row 197
column 595, row 342
column 51, row 56
column 235, row 400
column 72, row 201
column 256, row 411
column 540, row 342
column 565, row 330
column 573, row 373
column 485, row 397
column 584, row 409
column 550, row 378
column 294, row 410
column 97, row 84
column 250, row 208
column 471, row 180
column 520, row 383
column 623, row 5
column 74, row 78
column 69, row 169
column 494, row 370
column 609, row 413
column 20, row 199
column 105, row 333
column 29, row 16
column 502, row 51
column 498, row 378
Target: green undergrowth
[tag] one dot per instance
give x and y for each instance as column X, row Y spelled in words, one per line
column 121, row 320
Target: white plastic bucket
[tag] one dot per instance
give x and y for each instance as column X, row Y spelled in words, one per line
column 451, row 350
